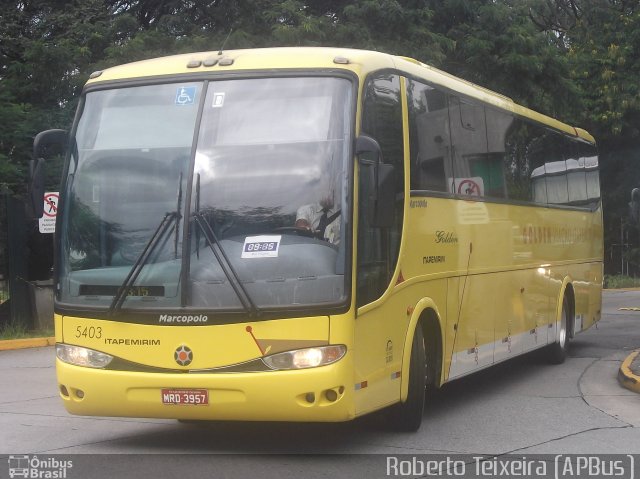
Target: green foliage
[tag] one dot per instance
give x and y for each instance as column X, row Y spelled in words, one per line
column 599, row 40
column 620, row 282
column 573, row 59
column 20, row 331
column 44, row 47
column 495, row 44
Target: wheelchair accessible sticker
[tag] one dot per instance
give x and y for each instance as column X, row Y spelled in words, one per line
column 261, row 246
column 186, row 95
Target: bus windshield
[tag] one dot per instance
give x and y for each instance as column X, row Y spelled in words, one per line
column 209, row 195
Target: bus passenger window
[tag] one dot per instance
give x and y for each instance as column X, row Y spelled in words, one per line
column 589, row 155
column 429, row 140
column 554, row 170
column 576, row 174
column 524, row 155
column 491, row 168
column 472, row 165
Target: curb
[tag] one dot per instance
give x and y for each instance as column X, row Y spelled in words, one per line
column 9, row 344
column 627, row 376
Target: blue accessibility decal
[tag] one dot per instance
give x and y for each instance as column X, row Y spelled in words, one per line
column 186, row 95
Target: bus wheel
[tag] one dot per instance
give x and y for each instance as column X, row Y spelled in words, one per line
column 558, row 350
column 407, row 416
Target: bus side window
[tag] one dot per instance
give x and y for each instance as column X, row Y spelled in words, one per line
column 492, row 171
column 429, row 140
column 555, row 168
column 378, row 248
column 576, row 173
column 477, row 166
column 589, row 155
column 523, row 162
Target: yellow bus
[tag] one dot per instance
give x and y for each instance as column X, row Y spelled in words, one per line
column 311, row 234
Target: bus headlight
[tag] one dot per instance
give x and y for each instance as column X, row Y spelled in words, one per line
column 79, row 356
column 306, row 358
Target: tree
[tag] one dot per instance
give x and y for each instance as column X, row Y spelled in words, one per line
column 600, row 39
column 45, row 47
column 496, row 45
column 572, row 59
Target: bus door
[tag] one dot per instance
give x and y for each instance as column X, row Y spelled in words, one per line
column 380, row 328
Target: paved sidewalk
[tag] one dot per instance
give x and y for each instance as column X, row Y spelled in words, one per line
column 8, row 344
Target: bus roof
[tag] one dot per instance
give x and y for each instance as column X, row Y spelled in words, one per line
column 361, row 62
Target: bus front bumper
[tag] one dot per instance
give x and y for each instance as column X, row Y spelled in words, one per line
column 323, row 394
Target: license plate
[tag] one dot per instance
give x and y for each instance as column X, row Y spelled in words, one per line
column 185, row 397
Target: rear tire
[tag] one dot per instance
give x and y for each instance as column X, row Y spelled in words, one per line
column 558, row 350
column 407, row 416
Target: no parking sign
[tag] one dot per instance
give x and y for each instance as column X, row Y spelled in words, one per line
column 47, row 224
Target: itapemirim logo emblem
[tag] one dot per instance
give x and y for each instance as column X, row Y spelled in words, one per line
column 183, row 355
column 34, row 467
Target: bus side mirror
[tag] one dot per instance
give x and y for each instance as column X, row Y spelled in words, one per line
column 634, row 207
column 381, row 182
column 44, row 144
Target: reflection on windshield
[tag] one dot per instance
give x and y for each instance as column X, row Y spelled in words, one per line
column 270, row 180
column 131, row 163
column 272, row 153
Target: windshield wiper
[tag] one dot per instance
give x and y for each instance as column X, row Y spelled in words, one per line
column 177, row 229
column 169, row 219
column 217, row 250
column 134, row 272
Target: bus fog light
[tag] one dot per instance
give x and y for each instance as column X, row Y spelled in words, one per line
column 306, row 358
column 79, row 356
column 331, row 395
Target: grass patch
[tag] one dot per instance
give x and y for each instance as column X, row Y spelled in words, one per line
column 620, row 281
column 14, row 330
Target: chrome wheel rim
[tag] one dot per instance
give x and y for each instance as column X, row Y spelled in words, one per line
column 562, row 334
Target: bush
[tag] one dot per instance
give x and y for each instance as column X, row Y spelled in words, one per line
column 13, row 330
column 620, row 281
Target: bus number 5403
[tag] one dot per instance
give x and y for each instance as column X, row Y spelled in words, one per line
column 90, row 332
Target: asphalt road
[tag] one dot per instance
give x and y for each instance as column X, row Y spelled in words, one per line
column 523, row 407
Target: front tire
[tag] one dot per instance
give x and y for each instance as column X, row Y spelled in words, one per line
column 558, row 350
column 407, row 416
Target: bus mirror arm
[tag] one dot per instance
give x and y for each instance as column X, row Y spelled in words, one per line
column 381, row 181
column 44, row 141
